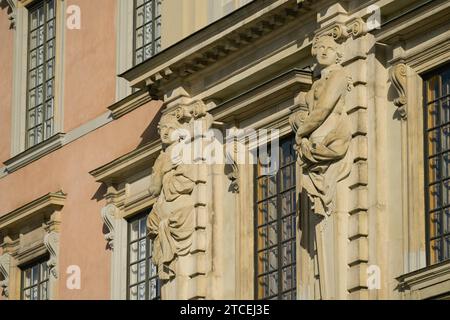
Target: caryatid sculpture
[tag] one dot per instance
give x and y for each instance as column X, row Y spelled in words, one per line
column 323, row 131
column 178, row 181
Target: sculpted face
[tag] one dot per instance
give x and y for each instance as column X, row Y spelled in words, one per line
column 326, row 51
column 167, row 130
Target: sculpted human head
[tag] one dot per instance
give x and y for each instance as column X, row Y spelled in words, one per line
column 327, row 51
column 168, row 129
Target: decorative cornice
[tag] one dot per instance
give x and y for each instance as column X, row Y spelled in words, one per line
column 425, row 277
column 397, row 75
column 46, row 204
column 133, row 161
column 129, row 103
column 51, row 242
column 34, row 153
column 214, row 42
column 5, row 262
column 108, row 215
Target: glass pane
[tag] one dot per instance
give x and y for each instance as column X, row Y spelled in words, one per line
column 142, row 291
column 34, row 293
column 49, row 128
column 41, row 16
column 434, row 169
column 139, row 16
column 435, row 224
column 148, row 11
column 262, row 188
column 273, row 232
column 133, row 276
column 288, row 202
column 152, row 270
column 40, row 36
column 445, row 110
column 273, row 283
column 446, row 249
column 27, row 278
column 158, row 27
column 445, row 138
column 49, row 90
column 446, row 221
column 142, row 227
column 287, row 278
column 50, row 9
column 287, row 177
column 31, row 118
column 153, row 289
column 142, row 271
column 433, row 115
column 33, row 59
column 35, row 274
column 263, row 262
column 433, row 142
column 44, row 271
column 287, row 153
column 436, row 250
column 49, row 110
column 139, row 56
column 134, row 293
column 134, row 251
column 50, row 70
column 288, row 227
column 39, row 134
column 27, row 294
column 40, row 95
column 433, row 88
column 148, row 33
column 40, row 55
column 50, row 49
column 40, row 75
column 139, row 38
column 434, row 197
column 288, row 253
column 43, row 294
column 147, row 52
column 134, row 232
column 142, row 249
column 50, row 29
column 33, row 20
column 446, row 82
column 446, row 193
column 272, row 185
column 273, row 259
column 33, row 77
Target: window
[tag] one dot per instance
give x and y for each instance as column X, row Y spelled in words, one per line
column 437, row 162
column 147, row 29
column 143, row 283
column 41, row 72
column 275, row 225
column 35, row 281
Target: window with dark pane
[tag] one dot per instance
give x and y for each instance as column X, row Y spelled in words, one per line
column 35, row 281
column 437, row 162
column 41, row 72
column 275, row 222
column 143, row 283
column 147, row 31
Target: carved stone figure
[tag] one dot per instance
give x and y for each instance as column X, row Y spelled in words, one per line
column 171, row 222
column 322, row 129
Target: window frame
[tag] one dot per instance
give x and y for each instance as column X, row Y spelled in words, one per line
column 279, row 222
column 148, row 255
column 29, row 265
column 430, row 74
column 35, row 5
column 153, row 23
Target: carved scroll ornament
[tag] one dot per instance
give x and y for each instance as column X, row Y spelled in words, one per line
column 397, row 75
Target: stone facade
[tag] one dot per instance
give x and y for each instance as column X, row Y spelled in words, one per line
column 343, row 79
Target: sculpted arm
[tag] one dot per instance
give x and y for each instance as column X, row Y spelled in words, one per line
column 156, row 177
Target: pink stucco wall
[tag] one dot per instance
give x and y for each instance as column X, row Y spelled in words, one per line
column 6, row 69
column 90, row 62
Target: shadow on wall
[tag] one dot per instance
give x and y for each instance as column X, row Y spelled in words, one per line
column 5, row 6
column 151, row 132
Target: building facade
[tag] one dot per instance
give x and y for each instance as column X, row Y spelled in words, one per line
column 267, row 149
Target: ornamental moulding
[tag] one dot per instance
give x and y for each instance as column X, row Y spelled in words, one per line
column 216, row 41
